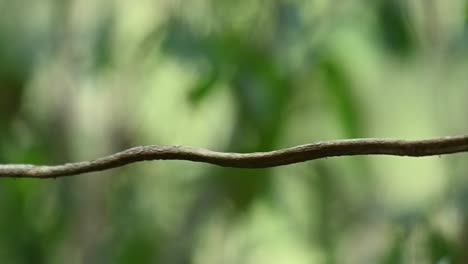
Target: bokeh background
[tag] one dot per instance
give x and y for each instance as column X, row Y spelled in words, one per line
column 82, row 79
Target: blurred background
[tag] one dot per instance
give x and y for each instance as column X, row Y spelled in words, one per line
column 82, row 79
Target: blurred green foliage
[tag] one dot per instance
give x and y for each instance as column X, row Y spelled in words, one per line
column 81, row 79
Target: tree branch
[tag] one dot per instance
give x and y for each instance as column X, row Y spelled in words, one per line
column 349, row 147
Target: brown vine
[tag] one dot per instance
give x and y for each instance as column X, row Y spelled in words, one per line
column 349, row 147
